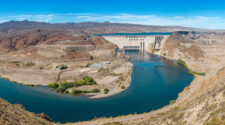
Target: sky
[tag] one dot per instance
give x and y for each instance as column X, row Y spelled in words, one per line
column 208, row 14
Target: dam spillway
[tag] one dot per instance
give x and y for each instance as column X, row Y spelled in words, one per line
column 149, row 42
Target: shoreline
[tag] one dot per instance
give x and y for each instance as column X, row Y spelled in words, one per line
column 128, row 117
column 91, row 95
column 118, row 90
column 180, row 99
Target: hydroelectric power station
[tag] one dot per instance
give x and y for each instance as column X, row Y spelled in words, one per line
column 138, row 41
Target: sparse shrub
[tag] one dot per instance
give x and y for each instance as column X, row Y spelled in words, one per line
column 172, row 102
column 88, row 80
column 122, row 87
column 75, row 92
column 95, row 91
column 215, row 121
column 53, row 85
column 17, row 63
column 61, row 89
column 41, row 67
column 62, row 67
column 113, row 123
column 106, row 91
column 88, row 65
column 104, row 70
column 115, row 74
column 29, row 64
column 6, row 78
column 30, row 85
column 91, row 57
column 68, row 84
column 183, row 64
column 65, row 85
column 175, row 108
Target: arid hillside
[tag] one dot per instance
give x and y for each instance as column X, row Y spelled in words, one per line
column 91, row 27
column 57, row 53
column 17, row 115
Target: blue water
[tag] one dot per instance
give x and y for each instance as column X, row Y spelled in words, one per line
column 155, row 81
column 147, row 33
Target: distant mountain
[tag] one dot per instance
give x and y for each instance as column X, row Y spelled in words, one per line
column 16, row 35
column 92, row 27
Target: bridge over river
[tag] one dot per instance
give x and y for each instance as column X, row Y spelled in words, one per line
column 138, row 41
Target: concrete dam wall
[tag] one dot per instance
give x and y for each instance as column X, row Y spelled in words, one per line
column 149, row 43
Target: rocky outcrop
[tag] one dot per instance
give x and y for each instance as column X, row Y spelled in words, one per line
column 176, row 45
column 17, row 115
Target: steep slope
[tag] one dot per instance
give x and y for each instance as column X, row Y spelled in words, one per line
column 17, row 115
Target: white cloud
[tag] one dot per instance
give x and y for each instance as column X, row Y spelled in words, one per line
column 39, row 18
column 188, row 21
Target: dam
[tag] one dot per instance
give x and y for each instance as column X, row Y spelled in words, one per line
column 150, row 42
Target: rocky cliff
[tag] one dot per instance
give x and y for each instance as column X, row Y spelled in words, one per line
column 17, row 115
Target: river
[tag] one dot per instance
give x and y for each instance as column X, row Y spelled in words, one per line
column 155, row 82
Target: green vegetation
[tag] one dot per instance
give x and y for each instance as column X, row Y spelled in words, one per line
column 106, row 91
column 91, row 57
column 30, row 85
column 174, row 109
column 104, row 70
column 115, row 74
column 5, row 78
column 95, row 91
column 183, row 63
column 62, row 87
column 17, row 63
column 62, row 67
column 113, row 123
column 77, row 92
column 88, row 80
column 88, row 65
column 220, row 110
column 215, row 122
column 172, row 102
column 53, row 85
column 41, row 67
column 29, row 64
column 122, row 87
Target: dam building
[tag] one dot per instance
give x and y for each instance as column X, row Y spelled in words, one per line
column 149, row 42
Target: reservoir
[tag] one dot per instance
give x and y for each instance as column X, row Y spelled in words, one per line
column 155, row 82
